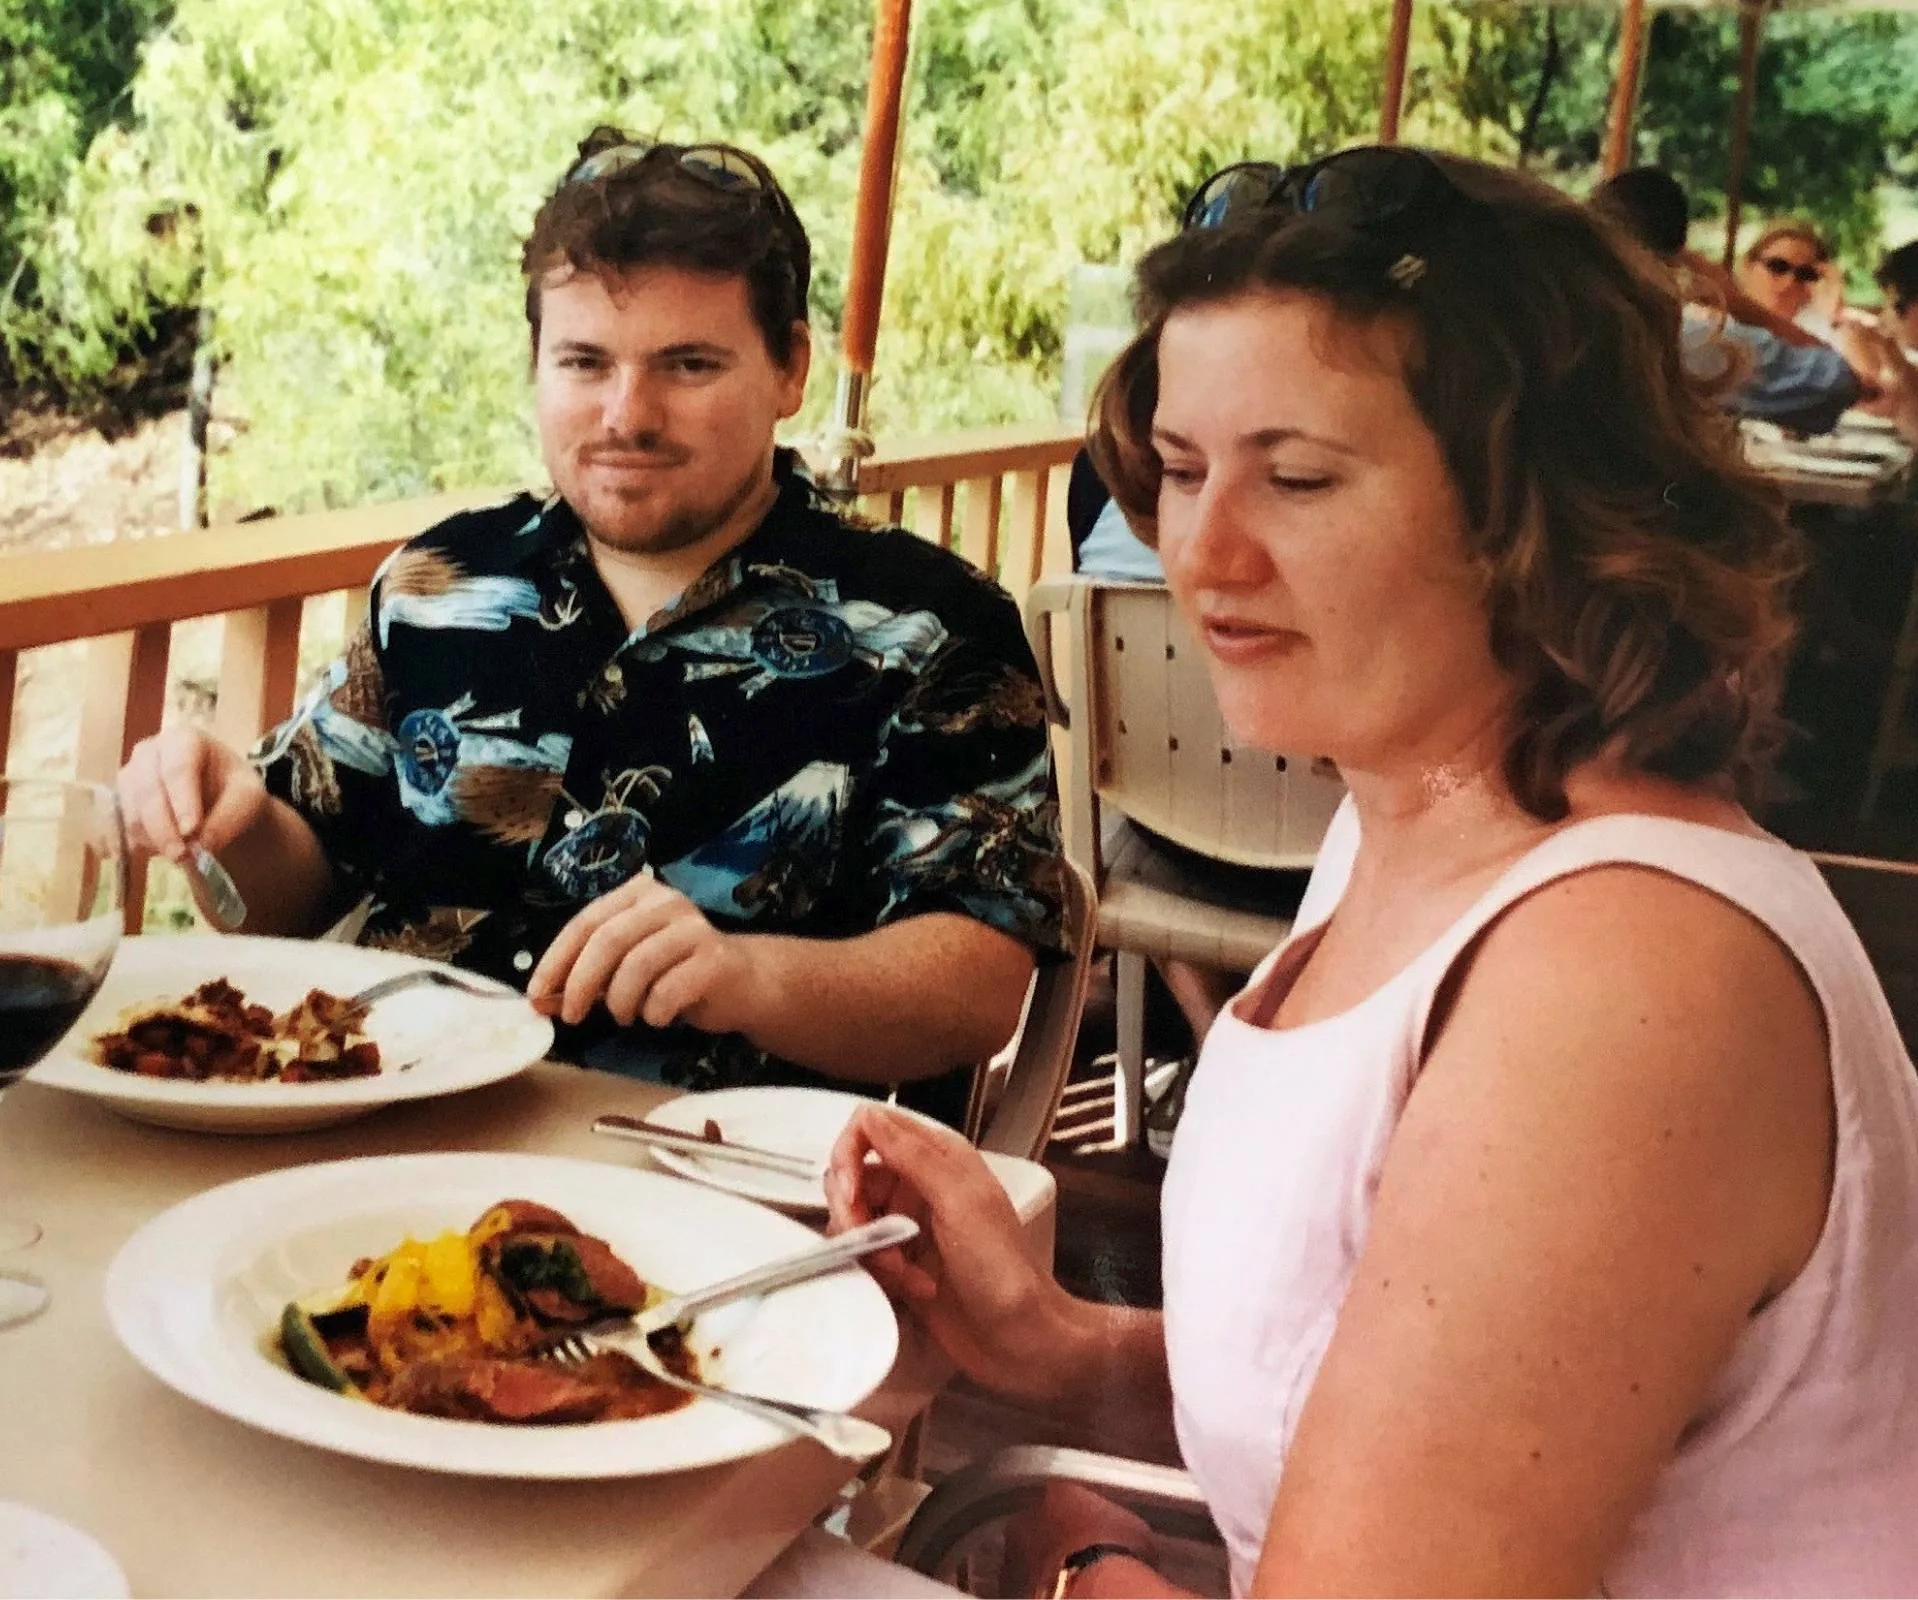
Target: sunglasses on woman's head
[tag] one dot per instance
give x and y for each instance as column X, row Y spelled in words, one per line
column 1368, row 187
column 1779, row 267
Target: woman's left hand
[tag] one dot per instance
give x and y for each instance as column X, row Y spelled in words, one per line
column 1068, row 1518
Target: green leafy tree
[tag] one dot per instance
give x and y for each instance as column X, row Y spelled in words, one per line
column 343, row 184
column 1833, row 118
column 65, row 66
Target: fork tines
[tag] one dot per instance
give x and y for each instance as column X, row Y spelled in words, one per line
column 569, row 1349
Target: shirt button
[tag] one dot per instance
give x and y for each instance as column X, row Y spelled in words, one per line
column 573, row 819
column 522, row 961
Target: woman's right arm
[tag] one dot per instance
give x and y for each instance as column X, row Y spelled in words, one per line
column 970, row 1282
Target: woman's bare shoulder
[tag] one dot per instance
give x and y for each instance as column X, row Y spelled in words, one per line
column 1597, row 791
column 1622, row 998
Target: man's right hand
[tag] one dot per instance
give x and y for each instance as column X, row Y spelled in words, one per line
column 182, row 787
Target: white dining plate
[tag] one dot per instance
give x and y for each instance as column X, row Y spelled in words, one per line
column 43, row 1558
column 1814, row 463
column 432, row 1041
column 794, row 1121
column 196, row 1296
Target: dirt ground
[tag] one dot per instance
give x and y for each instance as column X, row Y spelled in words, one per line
column 83, row 489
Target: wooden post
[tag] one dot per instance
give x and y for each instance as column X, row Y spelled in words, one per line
column 871, row 233
column 125, row 700
column 1398, row 48
column 1751, row 28
column 1631, row 61
column 9, row 676
column 979, row 531
column 259, row 670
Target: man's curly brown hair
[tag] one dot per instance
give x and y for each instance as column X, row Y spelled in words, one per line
column 1637, row 572
column 655, row 213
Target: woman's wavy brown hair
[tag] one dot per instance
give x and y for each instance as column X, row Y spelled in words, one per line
column 1637, row 571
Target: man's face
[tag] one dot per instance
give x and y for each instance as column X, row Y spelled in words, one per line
column 657, row 400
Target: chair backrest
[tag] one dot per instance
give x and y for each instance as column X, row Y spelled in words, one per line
column 1146, row 736
column 1020, row 1122
column 1881, row 898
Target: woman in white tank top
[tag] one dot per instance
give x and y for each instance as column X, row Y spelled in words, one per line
column 1544, row 1215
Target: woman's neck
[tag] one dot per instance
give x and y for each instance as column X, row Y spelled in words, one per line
column 1442, row 812
column 1441, row 821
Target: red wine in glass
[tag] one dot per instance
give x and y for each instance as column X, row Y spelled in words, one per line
column 62, row 886
column 41, row 997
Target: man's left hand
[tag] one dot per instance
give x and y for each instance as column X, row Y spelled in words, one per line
column 650, row 954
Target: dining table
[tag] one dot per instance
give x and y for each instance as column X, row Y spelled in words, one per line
column 1859, row 464
column 190, row 1502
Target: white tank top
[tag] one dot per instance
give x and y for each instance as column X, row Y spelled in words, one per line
column 1801, row 1473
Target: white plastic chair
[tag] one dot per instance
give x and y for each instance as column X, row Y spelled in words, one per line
column 1148, row 754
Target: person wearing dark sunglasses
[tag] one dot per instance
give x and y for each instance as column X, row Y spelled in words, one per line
column 1771, row 369
column 1540, row 1218
column 736, row 784
column 1783, row 266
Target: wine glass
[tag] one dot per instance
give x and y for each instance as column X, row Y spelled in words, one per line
column 62, row 885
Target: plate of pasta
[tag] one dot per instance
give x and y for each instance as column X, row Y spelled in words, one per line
column 225, row 1033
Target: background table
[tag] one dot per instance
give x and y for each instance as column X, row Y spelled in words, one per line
column 193, row 1503
column 1854, row 465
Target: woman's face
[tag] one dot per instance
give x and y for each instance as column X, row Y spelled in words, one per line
column 1311, row 532
column 1782, row 276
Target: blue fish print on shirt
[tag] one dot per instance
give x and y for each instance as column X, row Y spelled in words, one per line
column 428, row 589
column 765, row 640
column 758, row 866
column 442, row 756
column 609, row 847
column 488, row 604
column 980, row 848
column 343, row 738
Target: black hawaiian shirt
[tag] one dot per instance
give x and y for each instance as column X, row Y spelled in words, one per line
column 834, row 728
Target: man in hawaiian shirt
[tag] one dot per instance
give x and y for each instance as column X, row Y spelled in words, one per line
column 759, row 795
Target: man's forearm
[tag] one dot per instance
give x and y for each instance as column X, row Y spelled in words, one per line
column 282, row 872
column 910, row 1000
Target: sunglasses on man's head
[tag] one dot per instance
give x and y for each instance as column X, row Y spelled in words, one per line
column 1779, row 267
column 1367, row 187
column 723, row 166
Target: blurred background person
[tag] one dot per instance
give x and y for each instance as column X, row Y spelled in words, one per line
column 1897, row 275
column 1776, row 370
column 1785, row 267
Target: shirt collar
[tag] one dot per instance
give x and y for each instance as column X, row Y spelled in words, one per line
column 553, row 539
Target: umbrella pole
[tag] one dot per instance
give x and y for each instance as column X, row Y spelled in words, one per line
column 847, row 442
column 1751, row 27
column 1398, row 44
column 1631, row 59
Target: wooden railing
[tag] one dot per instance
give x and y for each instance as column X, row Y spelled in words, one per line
column 997, row 496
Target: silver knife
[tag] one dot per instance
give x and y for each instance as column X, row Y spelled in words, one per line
column 224, row 902
column 691, row 1144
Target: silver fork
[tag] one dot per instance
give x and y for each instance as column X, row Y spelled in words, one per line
column 375, row 992
column 848, row 1437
